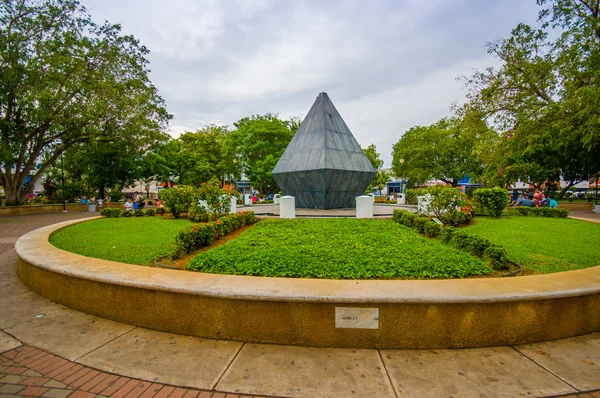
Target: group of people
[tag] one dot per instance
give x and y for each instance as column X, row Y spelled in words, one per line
column 538, row 199
column 135, row 203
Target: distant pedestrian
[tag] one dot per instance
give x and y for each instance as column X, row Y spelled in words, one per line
column 128, row 205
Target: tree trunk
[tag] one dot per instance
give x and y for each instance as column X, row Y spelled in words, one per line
column 101, row 191
column 563, row 191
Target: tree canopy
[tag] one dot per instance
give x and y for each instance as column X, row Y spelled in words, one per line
column 445, row 150
column 65, row 80
column 259, row 141
column 545, row 96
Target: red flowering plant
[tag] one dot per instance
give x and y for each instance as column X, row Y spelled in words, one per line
column 210, row 202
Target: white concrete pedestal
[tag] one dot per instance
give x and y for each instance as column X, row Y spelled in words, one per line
column 276, row 198
column 364, row 207
column 372, row 196
column 247, row 199
column 597, row 209
column 423, row 204
column 401, row 199
column 287, row 207
column 233, row 205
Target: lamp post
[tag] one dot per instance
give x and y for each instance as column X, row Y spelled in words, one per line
column 62, row 176
column 402, row 188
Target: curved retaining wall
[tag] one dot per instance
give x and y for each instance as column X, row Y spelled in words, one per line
column 411, row 314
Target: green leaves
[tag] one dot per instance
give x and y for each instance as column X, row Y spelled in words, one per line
column 338, row 249
column 494, row 200
column 65, row 80
column 260, row 141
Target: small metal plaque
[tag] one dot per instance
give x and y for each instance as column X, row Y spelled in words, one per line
column 356, row 318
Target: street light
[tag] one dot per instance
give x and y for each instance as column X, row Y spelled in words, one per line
column 62, row 174
column 402, row 188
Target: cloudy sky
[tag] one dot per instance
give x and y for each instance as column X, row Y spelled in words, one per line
column 386, row 65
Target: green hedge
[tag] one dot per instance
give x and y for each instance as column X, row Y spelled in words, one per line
column 553, row 212
column 113, row 213
column 494, row 200
column 203, row 234
column 475, row 245
column 110, row 213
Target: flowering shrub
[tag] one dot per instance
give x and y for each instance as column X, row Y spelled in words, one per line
column 445, row 200
column 177, row 199
column 494, row 200
column 204, row 234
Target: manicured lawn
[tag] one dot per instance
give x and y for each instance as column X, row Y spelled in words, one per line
column 544, row 245
column 337, row 249
column 127, row 240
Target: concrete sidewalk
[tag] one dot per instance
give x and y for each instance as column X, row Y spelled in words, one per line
column 49, row 350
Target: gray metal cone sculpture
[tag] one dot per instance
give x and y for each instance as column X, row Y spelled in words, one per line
column 323, row 166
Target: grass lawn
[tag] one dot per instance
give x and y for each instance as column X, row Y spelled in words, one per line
column 127, row 240
column 544, row 245
column 337, row 249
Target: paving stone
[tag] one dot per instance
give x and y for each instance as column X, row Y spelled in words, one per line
column 495, row 371
column 21, row 308
column 8, row 343
column 57, row 393
column 14, row 370
column 165, row 358
column 264, row 369
column 55, row 384
column 32, row 391
column 12, row 379
column 35, row 381
column 575, row 360
column 32, row 373
column 69, row 334
column 11, row 388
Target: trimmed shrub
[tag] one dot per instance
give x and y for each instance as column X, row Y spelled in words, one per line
column 497, row 257
column 203, row 234
column 432, row 229
column 138, row 213
column 126, row 213
column 110, row 213
column 493, row 200
column 456, row 218
column 553, row 212
column 160, row 211
column 397, row 214
column 446, row 234
column 150, row 212
column 419, row 224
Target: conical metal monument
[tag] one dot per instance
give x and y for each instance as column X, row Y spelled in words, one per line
column 323, row 166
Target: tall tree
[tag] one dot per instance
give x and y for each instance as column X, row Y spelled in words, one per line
column 205, row 154
column 546, row 95
column 65, row 80
column 373, row 156
column 260, row 141
column 446, row 151
column 375, row 159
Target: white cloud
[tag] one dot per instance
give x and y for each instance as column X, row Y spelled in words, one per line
column 387, row 65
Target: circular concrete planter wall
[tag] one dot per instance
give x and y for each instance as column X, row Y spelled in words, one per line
column 389, row 314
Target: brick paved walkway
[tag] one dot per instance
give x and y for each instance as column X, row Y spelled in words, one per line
column 30, row 371
column 27, row 371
